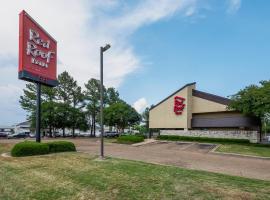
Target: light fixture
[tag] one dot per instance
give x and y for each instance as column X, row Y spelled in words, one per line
column 106, row 47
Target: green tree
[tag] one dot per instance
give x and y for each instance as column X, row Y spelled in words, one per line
column 253, row 100
column 66, row 98
column 64, row 89
column 145, row 118
column 141, row 128
column 68, row 92
column 28, row 103
column 47, row 117
column 78, row 119
column 63, row 116
column 28, row 99
column 92, row 96
column 121, row 115
column 112, row 96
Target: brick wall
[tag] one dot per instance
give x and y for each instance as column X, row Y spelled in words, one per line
column 252, row 136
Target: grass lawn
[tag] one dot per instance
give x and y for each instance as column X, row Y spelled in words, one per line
column 254, row 150
column 81, row 176
column 5, row 148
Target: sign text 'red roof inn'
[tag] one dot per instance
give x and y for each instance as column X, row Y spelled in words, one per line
column 37, row 52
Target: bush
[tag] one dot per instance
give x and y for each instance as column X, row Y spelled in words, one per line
column 141, row 135
column 202, row 139
column 129, row 139
column 33, row 148
column 61, row 146
column 29, row 149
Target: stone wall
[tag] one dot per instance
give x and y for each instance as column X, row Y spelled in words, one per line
column 252, row 136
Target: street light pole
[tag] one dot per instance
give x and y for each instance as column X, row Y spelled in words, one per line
column 102, row 49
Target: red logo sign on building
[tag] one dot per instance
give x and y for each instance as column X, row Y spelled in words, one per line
column 37, row 52
column 179, row 105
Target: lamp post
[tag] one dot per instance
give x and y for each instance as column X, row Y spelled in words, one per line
column 102, row 49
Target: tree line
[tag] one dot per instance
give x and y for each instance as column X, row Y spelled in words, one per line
column 254, row 100
column 70, row 106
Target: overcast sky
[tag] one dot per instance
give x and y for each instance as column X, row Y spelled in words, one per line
column 157, row 46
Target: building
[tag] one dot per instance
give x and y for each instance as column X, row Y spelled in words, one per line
column 22, row 127
column 7, row 130
column 17, row 128
column 190, row 112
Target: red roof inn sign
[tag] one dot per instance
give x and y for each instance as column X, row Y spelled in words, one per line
column 179, row 105
column 37, row 52
column 37, row 59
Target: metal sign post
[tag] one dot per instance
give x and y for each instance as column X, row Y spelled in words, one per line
column 38, row 109
column 37, row 59
column 102, row 49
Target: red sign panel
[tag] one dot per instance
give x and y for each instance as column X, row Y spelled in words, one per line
column 37, row 52
column 179, row 105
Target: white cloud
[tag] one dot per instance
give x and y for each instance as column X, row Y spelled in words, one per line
column 9, row 106
column 150, row 11
column 10, row 91
column 140, row 105
column 80, row 28
column 190, row 11
column 233, row 6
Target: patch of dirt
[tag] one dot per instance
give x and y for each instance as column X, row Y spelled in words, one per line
column 6, row 155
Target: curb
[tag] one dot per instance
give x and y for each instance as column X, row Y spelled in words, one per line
column 213, row 151
column 149, row 141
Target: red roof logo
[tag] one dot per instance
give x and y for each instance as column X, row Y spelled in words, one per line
column 179, row 105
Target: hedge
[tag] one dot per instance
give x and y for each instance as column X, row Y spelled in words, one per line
column 202, row 139
column 61, row 146
column 129, row 139
column 28, row 148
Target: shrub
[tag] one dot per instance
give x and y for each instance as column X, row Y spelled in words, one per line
column 141, row 135
column 202, row 139
column 61, row 146
column 129, row 139
column 29, row 149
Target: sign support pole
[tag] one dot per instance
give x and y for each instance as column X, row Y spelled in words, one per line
column 38, row 112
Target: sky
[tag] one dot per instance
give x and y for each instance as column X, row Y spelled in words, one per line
column 157, row 46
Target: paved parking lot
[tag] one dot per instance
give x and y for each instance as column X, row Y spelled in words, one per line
column 182, row 154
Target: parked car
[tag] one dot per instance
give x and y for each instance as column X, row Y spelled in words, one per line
column 3, row 134
column 84, row 134
column 111, row 134
column 18, row 135
column 32, row 135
